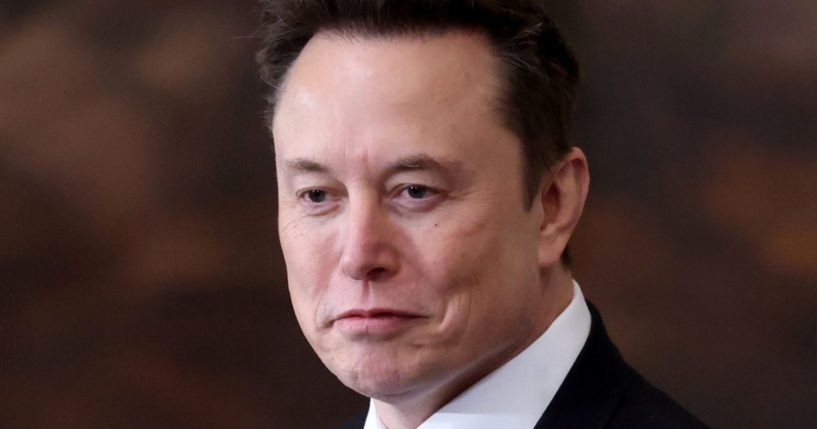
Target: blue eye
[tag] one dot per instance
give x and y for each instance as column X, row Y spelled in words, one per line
column 417, row 191
column 316, row 195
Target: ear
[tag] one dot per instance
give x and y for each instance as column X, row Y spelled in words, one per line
column 563, row 192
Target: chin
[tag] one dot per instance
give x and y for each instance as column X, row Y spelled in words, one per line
column 377, row 377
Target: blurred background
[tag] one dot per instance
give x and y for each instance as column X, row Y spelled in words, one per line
column 141, row 282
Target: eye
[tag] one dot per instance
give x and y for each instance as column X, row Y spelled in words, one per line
column 417, row 198
column 315, row 195
column 317, row 201
column 417, row 192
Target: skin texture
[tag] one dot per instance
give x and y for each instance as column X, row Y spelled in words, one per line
column 413, row 266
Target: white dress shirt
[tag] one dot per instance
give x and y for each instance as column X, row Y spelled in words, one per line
column 515, row 395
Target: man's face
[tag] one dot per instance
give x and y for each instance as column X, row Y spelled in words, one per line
column 411, row 259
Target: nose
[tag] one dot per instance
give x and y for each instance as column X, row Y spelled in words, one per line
column 369, row 252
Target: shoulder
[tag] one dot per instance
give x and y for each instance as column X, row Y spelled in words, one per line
column 642, row 405
column 355, row 422
column 602, row 391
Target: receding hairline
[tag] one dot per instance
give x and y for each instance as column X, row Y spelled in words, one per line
column 358, row 34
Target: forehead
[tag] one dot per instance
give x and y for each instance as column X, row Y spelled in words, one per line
column 397, row 67
column 358, row 91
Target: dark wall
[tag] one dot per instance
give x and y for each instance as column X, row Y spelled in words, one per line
column 141, row 282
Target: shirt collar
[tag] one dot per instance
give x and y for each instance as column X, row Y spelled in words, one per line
column 515, row 395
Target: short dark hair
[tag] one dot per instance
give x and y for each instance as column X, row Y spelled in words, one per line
column 539, row 71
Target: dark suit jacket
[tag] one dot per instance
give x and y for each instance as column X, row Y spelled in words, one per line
column 603, row 391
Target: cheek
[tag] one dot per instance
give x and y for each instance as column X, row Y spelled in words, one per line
column 476, row 266
column 308, row 269
column 458, row 251
column 307, row 244
column 459, row 263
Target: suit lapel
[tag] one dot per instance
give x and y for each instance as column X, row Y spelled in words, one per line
column 590, row 393
column 356, row 422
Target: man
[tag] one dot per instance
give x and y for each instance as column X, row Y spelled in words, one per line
column 427, row 193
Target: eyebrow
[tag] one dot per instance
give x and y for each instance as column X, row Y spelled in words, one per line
column 422, row 162
column 409, row 163
column 304, row 165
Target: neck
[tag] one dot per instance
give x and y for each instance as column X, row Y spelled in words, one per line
column 409, row 411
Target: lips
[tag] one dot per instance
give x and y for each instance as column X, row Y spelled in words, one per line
column 375, row 323
column 376, row 312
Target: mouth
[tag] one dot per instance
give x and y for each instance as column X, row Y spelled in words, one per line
column 377, row 323
column 376, row 313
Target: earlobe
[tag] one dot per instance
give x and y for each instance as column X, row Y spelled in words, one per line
column 562, row 196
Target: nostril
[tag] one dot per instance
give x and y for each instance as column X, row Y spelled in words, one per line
column 377, row 271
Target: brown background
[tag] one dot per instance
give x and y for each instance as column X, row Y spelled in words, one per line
column 142, row 284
